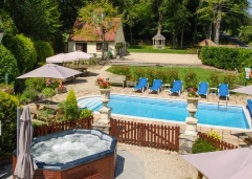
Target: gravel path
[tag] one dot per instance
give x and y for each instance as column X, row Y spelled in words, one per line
column 148, row 163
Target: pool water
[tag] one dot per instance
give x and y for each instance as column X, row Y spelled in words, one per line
column 170, row 110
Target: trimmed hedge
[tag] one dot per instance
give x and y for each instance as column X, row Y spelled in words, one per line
column 226, row 58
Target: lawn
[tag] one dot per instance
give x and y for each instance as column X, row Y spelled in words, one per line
column 202, row 74
column 149, row 49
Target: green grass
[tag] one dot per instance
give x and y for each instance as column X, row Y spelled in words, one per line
column 149, row 49
column 202, row 74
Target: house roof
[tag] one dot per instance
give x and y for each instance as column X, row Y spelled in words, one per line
column 94, row 33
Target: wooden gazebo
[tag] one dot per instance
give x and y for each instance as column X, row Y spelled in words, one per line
column 158, row 41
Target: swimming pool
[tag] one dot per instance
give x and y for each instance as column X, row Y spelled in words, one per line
column 170, row 110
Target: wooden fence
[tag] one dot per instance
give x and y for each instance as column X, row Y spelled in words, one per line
column 61, row 126
column 221, row 145
column 148, row 135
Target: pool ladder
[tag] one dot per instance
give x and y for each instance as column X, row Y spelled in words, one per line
column 219, row 105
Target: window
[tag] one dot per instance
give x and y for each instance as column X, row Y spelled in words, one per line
column 81, row 46
column 99, row 46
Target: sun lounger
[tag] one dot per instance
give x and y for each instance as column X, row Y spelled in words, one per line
column 249, row 106
column 203, row 89
column 176, row 87
column 223, row 91
column 141, row 85
column 157, row 86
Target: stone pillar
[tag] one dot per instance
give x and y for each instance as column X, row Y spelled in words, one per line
column 105, row 113
column 185, row 143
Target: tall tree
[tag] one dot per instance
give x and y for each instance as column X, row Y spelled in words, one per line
column 98, row 14
column 215, row 11
column 40, row 19
column 68, row 10
column 138, row 17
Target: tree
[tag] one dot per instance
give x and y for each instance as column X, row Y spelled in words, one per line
column 7, row 23
column 40, row 19
column 24, row 51
column 71, row 106
column 98, row 14
column 246, row 33
column 68, row 12
column 215, row 11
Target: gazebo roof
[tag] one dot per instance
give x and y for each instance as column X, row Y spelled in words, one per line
column 158, row 36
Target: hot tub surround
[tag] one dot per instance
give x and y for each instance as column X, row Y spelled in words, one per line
column 102, row 162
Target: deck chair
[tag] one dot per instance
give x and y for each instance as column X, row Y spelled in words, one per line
column 203, row 88
column 141, row 85
column 176, row 87
column 157, row 86
column 223, row 91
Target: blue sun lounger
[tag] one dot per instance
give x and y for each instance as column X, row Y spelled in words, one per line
column 249, row 106
column 203, row 89
column 157, row 86
column 223, row 91
column 141, row 85
column 176, row 87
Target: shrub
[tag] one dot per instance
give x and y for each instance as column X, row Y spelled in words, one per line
column 202, row 145
column 8, row 116
column 48, row 92
column 71, row 107
column 171, row 76
column 229, row 79
column 86, row 113
column 52, row 83
column 29, row 95
column 36, row 122
column 8, row 65
column 213, row 134
column 214, row 80
column 191, row 80
column 35, row 83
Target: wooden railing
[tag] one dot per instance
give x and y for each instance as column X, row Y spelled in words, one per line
column 149, row 135
column 221, row 145
column 61, row 126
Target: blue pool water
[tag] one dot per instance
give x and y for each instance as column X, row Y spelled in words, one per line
column 170, row 110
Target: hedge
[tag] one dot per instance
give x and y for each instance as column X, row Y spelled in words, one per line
column 226, row 58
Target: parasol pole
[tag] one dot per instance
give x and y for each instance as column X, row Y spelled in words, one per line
column 18, row 126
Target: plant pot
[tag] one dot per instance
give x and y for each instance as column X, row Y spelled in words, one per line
column 192, row 105
column 105, row 96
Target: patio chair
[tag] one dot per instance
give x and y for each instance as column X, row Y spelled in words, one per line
column 157, row 86
column 223, row 91
column 203, row 88
column 176, row 87
column 141, row 85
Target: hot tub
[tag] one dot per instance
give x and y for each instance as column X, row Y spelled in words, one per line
column 78, row 162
